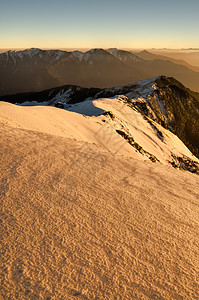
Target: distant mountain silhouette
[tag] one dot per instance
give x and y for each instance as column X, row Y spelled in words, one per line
column 151, row 56
column 34, row 69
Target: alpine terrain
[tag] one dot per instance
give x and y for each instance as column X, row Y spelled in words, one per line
column 99, row 189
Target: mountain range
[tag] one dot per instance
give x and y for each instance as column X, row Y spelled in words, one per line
column 36, row 69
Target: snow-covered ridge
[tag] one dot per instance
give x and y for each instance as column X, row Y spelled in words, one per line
column 162, row 100
column 85, row 56
column 32, row 52
column 80, row 56
column 124, row 56
column 109, row 123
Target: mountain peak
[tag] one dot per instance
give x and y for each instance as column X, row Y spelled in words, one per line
column 124, row 55
column 97, row 51
column 30, row 52
column 145, row 52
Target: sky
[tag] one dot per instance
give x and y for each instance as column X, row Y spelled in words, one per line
column 99, row 24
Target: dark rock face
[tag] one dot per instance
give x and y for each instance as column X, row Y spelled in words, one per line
column 181, row 107
column 185, row 163
column 138, row 148
column 59, row 105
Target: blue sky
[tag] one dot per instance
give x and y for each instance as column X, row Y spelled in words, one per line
column 88, row 24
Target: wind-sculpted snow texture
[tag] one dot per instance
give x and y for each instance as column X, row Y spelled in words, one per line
column 79, row 222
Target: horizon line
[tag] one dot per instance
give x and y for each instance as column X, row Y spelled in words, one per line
column 136, row 48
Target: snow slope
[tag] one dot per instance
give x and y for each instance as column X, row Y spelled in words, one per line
column 78, row 222
column 108, row 122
